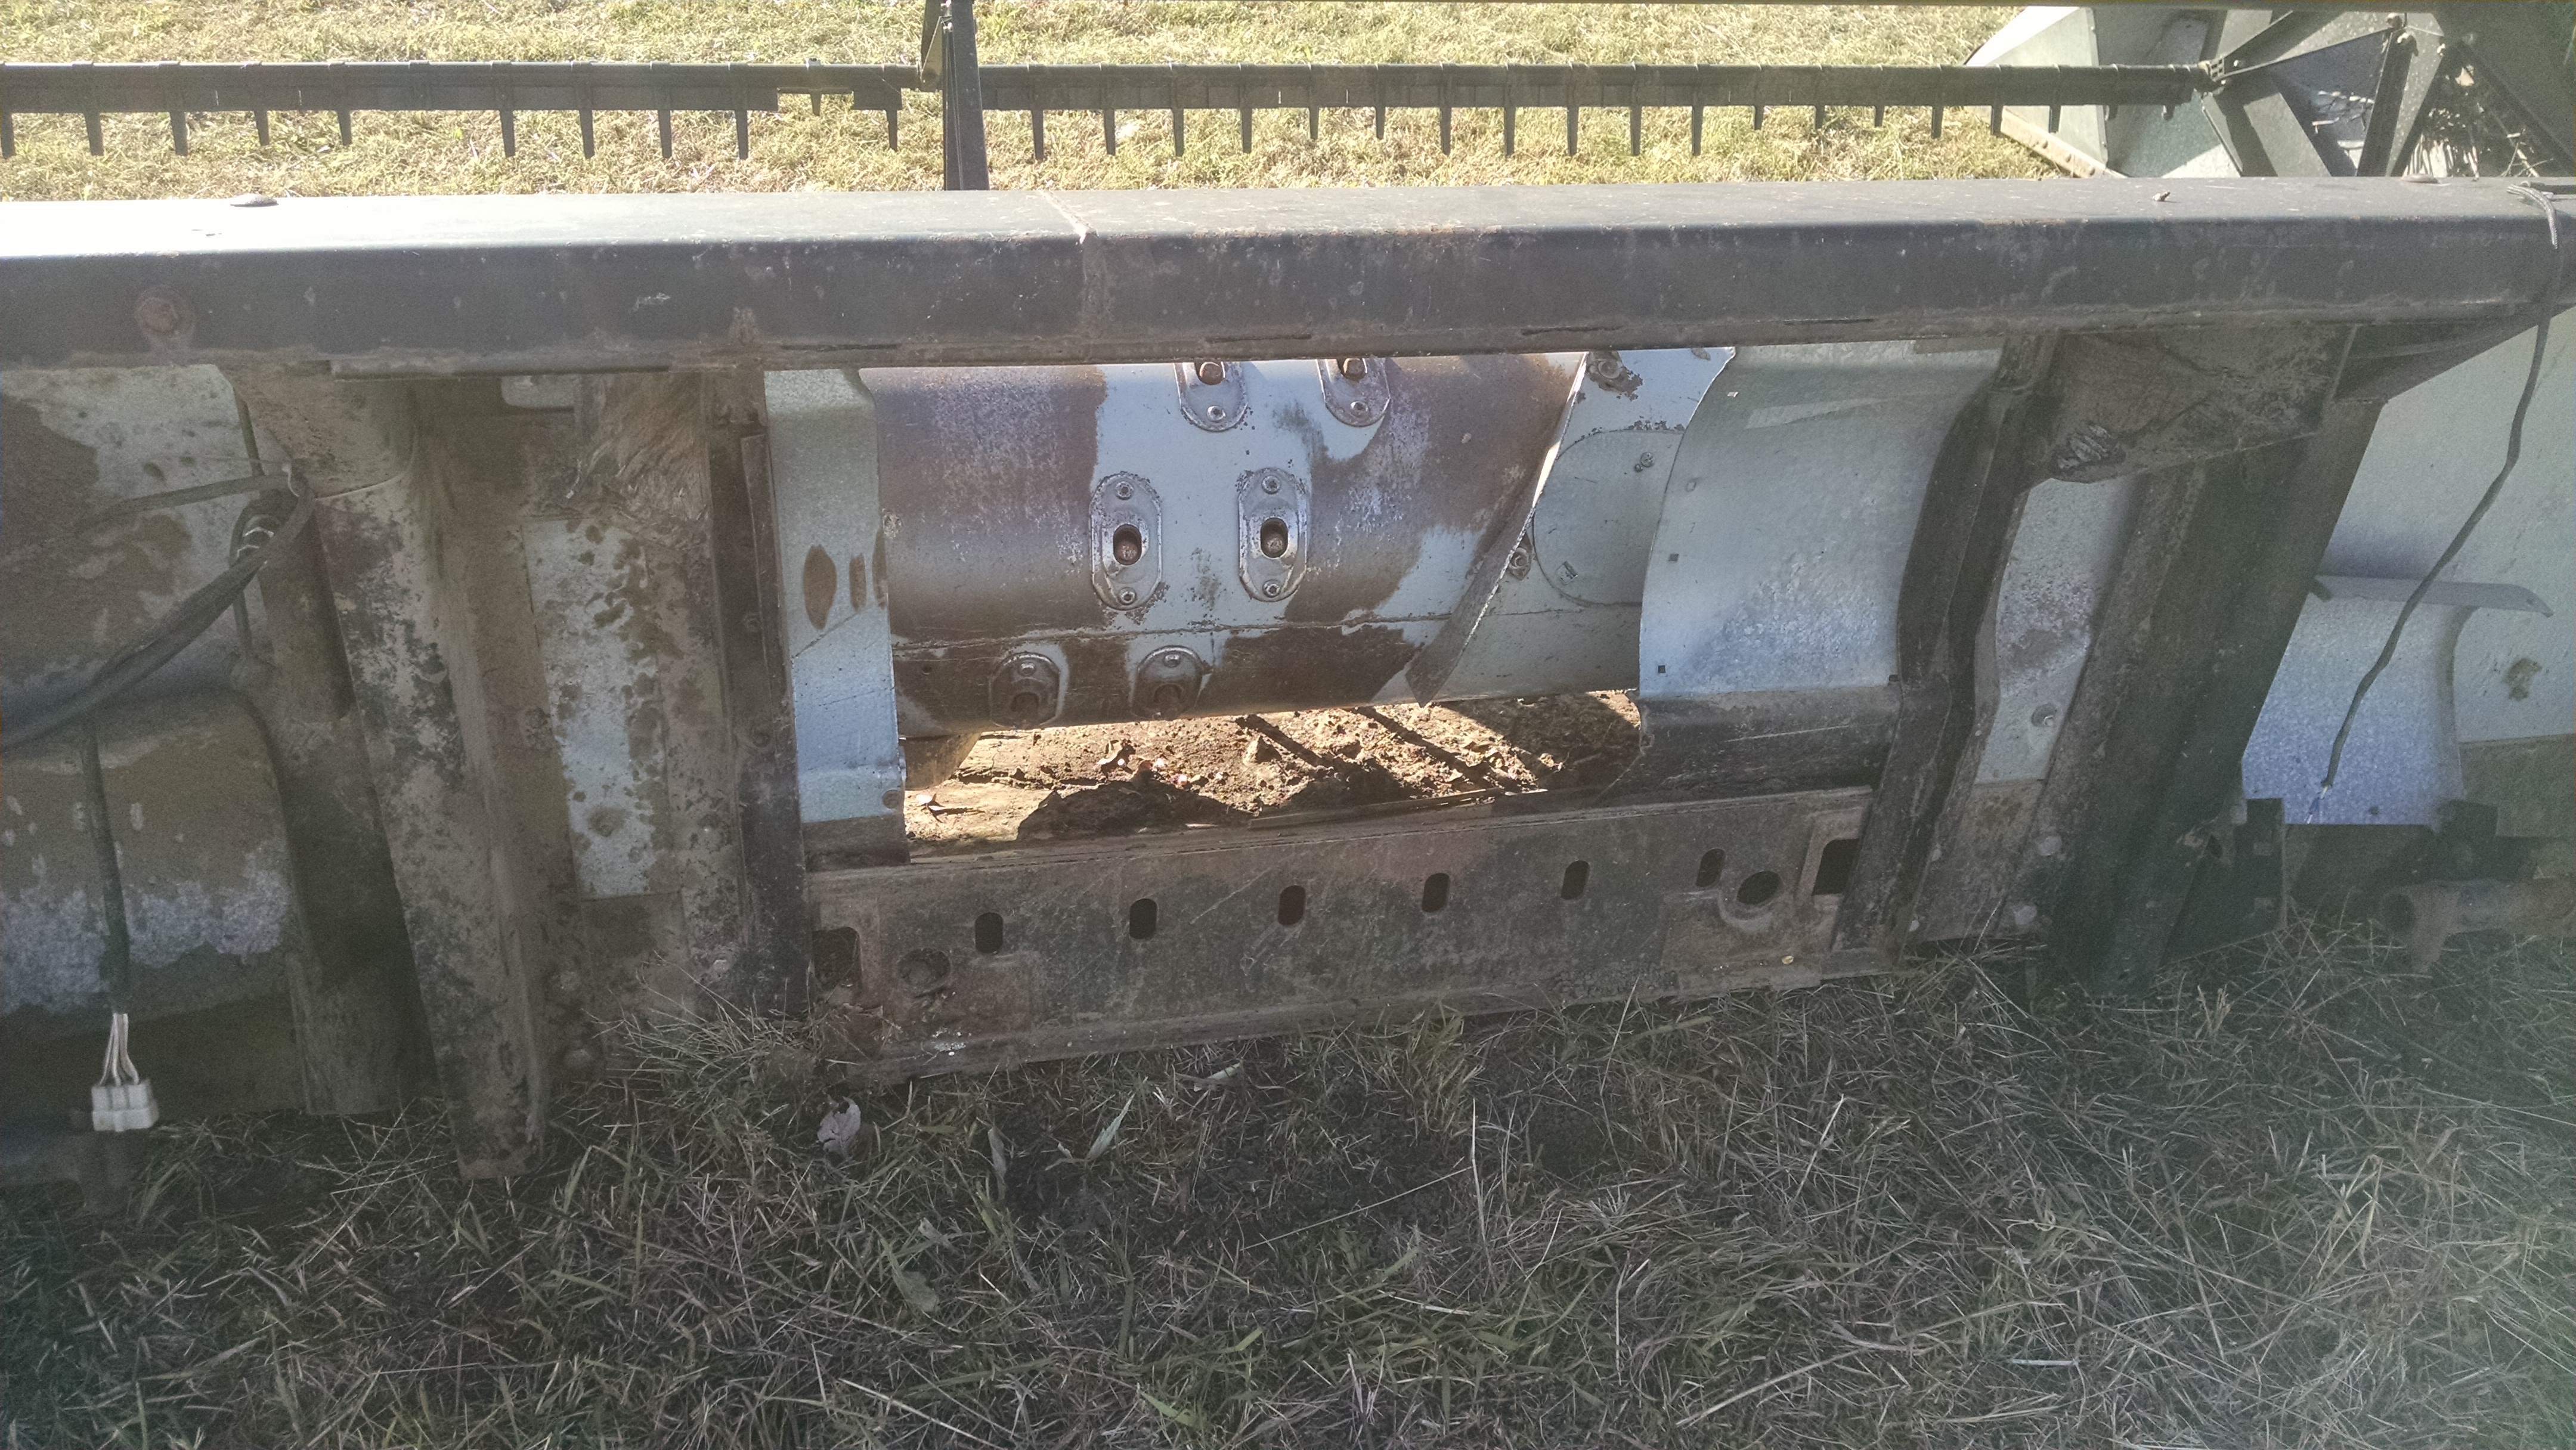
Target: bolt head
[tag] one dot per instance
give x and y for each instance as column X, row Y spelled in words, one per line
column 1355, row 368
column 1215, row 413
column 1126, row 596
column 2051, row 844
column 1269, row 485
column 1270, row 590
column 161, row 315
column 1126, row 491
column 1211, row 373
column 1172, row 659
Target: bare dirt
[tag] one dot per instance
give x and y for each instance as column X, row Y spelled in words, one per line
column 1037, row 785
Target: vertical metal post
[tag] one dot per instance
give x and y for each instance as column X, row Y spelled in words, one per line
column 770, row 974
column 961, row 102
column 2208, row 628
column 1961, row 540
column 405, row 610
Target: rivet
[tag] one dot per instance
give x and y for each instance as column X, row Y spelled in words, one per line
column 1125, row 491
column 1211, row 373
column 1215, row 413
column 1269, row 485
column 1126, row 596
column 1270, row 590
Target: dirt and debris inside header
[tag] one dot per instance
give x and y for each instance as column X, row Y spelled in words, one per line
column 1103, row 780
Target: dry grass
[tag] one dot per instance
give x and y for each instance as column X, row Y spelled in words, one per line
column 2300, row 1196
column 842, row 150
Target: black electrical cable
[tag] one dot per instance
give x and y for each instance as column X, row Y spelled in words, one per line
column 160, row 642
column 2512, row 455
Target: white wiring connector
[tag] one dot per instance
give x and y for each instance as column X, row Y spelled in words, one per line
column 121, row 1102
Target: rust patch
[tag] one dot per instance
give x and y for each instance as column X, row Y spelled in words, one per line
column 972, row 465
column 820, row 585
column 1463, row 437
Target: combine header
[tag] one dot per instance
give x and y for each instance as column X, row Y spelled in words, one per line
column 436, row 628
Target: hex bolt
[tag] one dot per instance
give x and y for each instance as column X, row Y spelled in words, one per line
column 1211, row 373
column 1269, row 485
column 1270, row 590
column 1126, row 596
column 161, row 315
column 1355, row 368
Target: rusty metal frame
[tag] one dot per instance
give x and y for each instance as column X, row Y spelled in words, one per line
column 989, row 960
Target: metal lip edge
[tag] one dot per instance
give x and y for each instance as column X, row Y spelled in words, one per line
column 1206, row 839
column 429, row 225
column 1356, row 338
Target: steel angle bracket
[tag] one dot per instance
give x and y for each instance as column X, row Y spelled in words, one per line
column 985, row 961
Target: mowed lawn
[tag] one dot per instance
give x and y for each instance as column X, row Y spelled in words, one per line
column 2300, row 1194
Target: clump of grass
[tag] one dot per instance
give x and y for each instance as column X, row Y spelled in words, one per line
column 2301, row 1195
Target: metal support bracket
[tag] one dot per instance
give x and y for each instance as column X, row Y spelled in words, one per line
column 840, row 650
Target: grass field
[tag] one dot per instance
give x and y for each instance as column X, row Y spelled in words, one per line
column 2301, row 1194
column 841, row 149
